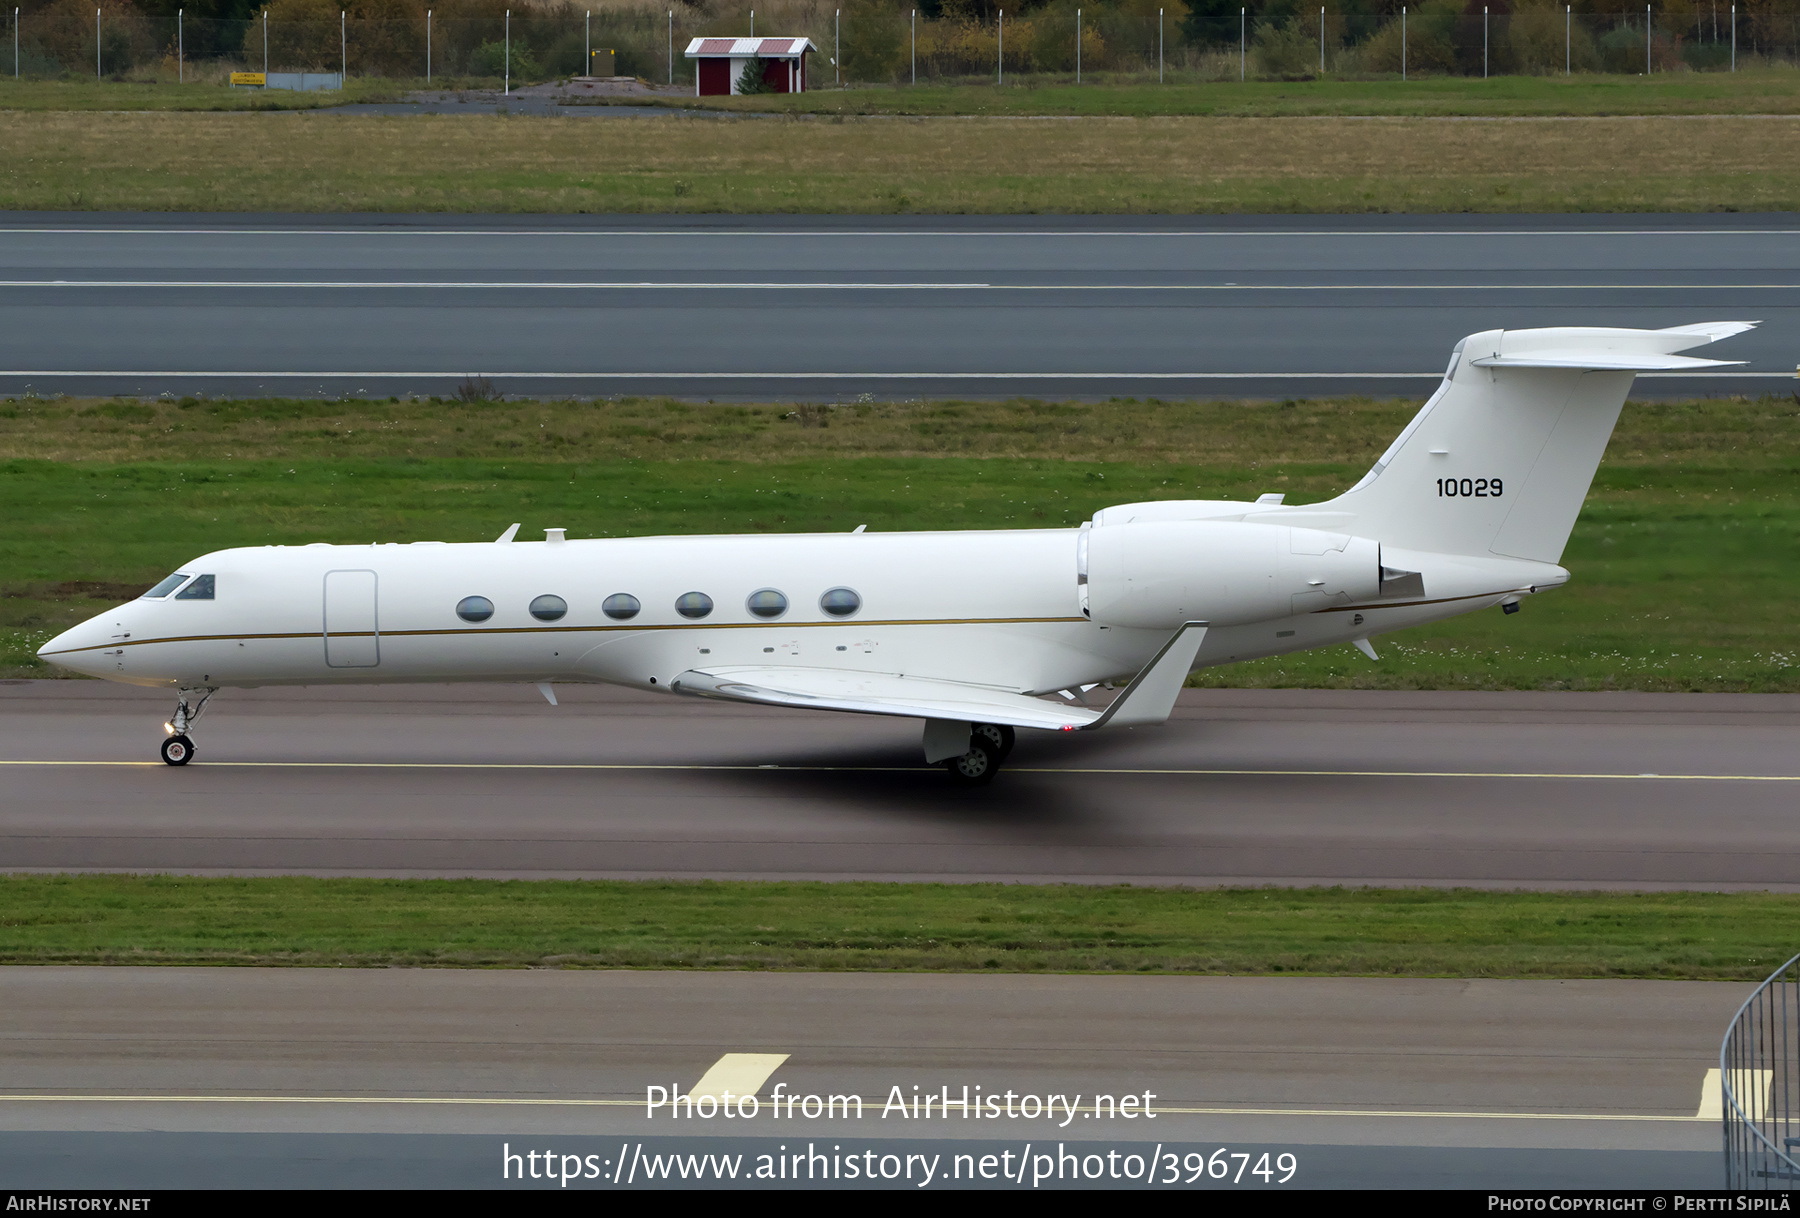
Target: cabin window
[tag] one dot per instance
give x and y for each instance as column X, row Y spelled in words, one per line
column 767, row 602
column 549, row 608
column 620, row 606
column 474, row 608
column 167, row 586
column 200, row 590
column 693, row 604
column 841, row 602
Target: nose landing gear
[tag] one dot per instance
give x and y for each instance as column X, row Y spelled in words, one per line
column 189, row 703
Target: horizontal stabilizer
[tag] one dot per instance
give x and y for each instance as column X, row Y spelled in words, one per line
column 1711, row 331
column 1602, row 361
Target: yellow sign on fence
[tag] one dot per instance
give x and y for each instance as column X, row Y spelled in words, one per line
column 248, row 78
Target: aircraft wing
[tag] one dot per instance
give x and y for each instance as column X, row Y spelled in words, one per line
column 1148, row 699
column 872, row 693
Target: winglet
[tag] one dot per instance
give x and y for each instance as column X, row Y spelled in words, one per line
column 507, row 536
column 1150, row 698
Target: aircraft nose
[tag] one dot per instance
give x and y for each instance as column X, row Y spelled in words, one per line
column 78, row 647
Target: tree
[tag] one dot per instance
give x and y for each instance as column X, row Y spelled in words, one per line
column 755, row 77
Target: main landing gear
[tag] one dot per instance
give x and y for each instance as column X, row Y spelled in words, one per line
column 189, row 703
column 989, row 745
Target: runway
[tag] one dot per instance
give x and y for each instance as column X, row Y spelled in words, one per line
column 178, row 1077
column 1278, row 786
column 749, row 307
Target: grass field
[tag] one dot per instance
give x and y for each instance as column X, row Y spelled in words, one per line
column 320, row 162
column 111, row 919
column 1762, row 90
column 1686, row 560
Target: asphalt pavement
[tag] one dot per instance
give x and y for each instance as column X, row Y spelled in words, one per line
column 174, row 1077
column 834, row 307
column 1241, row 786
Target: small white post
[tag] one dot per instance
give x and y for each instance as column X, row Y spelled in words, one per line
column 1734, row 38
column 1321, row 41
column 1568, row 40
column 1402, row 43
column 15, row 43
column 915, row 46
column 1484, row 41
column 343, row 48
column 180, row 47
column 672, row 49
column 427, row 46
column 1646, row 40
column 588, row 34
column 506, row 78
column 837, row 43
column 1000, row 51
column 1241, row 22
column 752, row 23
column 1077, row 46
column 265, row 48
column 96, row 44
column 1159, row 46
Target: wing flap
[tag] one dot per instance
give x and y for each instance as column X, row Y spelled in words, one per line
column 880, row 694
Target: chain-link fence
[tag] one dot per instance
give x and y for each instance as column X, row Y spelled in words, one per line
column 869, row 44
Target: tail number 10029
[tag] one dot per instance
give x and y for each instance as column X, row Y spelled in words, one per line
column 1469, row 488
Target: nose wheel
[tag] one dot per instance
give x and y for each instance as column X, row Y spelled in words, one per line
column 178, row 749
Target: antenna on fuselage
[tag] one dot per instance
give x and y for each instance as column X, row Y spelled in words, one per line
column 507, row 536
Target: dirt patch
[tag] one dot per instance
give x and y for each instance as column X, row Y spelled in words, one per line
column 79, row 590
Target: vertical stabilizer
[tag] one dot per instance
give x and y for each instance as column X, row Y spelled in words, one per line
column 1501, row 457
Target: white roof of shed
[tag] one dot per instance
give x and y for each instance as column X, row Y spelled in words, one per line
column 744, row 48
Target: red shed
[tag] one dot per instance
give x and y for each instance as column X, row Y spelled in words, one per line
column 719, row 63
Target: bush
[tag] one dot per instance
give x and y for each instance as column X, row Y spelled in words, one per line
column 1427, row 48
column 875, row 42
column 1288, row 49
column 1538, row 37
column 489, row 59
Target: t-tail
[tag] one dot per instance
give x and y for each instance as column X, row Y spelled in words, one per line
column 1499, row 460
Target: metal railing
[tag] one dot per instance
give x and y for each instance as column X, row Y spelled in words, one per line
column 1759, row 1081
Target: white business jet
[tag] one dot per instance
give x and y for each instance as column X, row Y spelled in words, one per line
column 976, row 633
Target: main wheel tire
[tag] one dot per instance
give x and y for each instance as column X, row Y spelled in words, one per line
column 1000, row 736
column 975, row 768
column 178, row 750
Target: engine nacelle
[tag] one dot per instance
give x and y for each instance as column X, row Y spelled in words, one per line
column 1160, row 574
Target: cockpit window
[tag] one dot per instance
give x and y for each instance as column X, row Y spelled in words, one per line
column 200, row 590
column 166, row 586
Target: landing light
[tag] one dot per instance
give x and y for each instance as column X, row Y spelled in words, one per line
column 169, row 728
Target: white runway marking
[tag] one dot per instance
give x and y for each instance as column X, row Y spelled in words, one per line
column 738, row 1073
column 1750, row 1086
column 899, row 769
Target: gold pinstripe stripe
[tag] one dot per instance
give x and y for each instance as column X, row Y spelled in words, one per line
column 392, row 634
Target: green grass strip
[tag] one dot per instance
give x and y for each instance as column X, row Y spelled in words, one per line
column 124, row 919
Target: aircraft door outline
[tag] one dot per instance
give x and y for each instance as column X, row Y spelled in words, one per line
column 352, row 628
